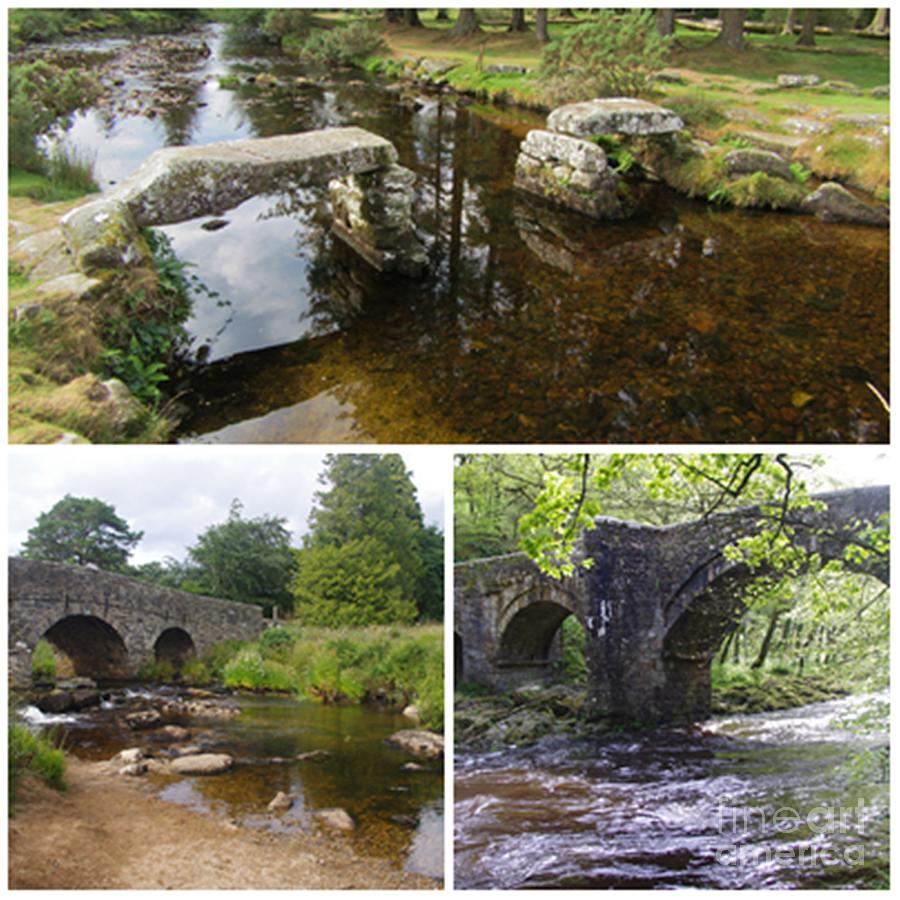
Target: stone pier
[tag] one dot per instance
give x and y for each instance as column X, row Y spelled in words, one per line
column 565, row 165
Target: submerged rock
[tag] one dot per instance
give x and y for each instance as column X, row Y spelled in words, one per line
column 422, row 744
column 834, row 203
column 280, row 802
column 137, row 768
column 313, row 756
column 336, row 818
column 60, row 701
column 145, row 718
column 202, row 764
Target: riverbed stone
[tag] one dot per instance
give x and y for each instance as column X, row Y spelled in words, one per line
column 281, row 802
column 576, row 153
column 750, row 161
column 73, row 287
column 174, row 732
column 559, row 184
column 336, row 818
column 613, row 115
column 136, row 768
column 103, row 235
column 143, row 719
column 313, row 756
column 130, row 756
column 202, row 764
column 832, row 202
column 795, row 81
column 421, row 744
column 412, row 712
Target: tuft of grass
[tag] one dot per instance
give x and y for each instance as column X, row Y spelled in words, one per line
column 761, row 191
column 43, row 660
column 29, row 752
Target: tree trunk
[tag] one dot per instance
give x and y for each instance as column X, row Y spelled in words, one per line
column 732, row 34
column 411, row 17
column 441, row 15
column 665, row 22
column 760, row 660
column 879, row 23
column 540, row 26
column 466, row 24
column 394, row 16
column 808, row 33
column 518, row 21
column 567, row 14
column 790, row 22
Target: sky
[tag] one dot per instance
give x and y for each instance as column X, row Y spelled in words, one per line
column 172, row 495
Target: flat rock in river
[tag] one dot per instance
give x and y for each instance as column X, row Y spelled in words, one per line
column 202, row 764
column 613, row 115
column 422, row 744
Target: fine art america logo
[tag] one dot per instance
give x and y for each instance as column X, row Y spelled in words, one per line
column 821, row 836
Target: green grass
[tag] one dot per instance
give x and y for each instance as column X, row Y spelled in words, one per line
column 392, row 665
column 43, row 660
column 47, row 188
column 29, row 752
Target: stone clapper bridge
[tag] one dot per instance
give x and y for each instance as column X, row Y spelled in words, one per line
column 655, row 605
column 108, row 624
column 371, row 196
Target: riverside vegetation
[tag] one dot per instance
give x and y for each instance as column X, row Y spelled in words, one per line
column 822, row 110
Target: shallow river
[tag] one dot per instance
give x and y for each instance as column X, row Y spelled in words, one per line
column 748, row 802
column 399, row 813
column 534, row 325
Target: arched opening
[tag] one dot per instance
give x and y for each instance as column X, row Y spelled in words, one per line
column 458, row 660
column 91, row 646
column 547, row 639
column 174, row 646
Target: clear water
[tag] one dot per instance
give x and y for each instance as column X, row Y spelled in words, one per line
column 533, row 325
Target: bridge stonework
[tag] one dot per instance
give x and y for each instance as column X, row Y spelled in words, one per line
column 44, row 594
column 655, row 604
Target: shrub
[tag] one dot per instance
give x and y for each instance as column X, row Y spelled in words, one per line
column 71, row 169
column 249, row 670
column 194, row 671
column 278, row 638
column 43, row 660
column 696, row 109
column 614, row 55
column 161, row 670
column 281, row 23
column 344, row 45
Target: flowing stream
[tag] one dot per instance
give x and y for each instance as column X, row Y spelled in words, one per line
column 775, row 800
column 398, row 812
column 533, row 325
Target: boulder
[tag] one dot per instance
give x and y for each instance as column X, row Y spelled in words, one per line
column 130, row 756
column 505, row 69
column 74, row 287
column 103, row 235
column 882, row 90
column 747, row 162
column 138, row 768
column 864, row 121
column 834, row 203
column 59, row 701
column 175, row 732
column 613, row 115
column 202, row 764
column 336, row 818
column 412, row 712
column 185, row 749
column 280, row 802
column 421, row 744
column 795, row 81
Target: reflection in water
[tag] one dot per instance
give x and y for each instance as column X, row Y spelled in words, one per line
column 399, row 813
column 682, row 808
column 534, row 324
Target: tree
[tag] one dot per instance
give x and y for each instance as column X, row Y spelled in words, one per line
column 245, row 560
column 411, row 17
column 732, row 34
column 466, row 24
column 517, row 22
column 665, row 22
column 879, row 23
column 368, row 512
column 790, row 22
column 441, row 14
column 82, row 531
column 808, row 31
column 540, row 26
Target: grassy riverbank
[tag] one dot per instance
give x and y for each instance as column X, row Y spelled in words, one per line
column 396, row 666
column 36, row 756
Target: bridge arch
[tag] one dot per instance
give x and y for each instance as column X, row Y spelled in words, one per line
column 174, row 645
column 94, row 647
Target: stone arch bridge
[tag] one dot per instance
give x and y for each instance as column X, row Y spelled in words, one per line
column 655, row 605
column 108, row 624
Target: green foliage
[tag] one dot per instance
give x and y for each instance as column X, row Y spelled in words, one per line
column 799, row 172
column 246, row 560
column 278, row 24
column 43, row 97
column 31, row 752
column 250, row 671
column 195, row 671
column 229, row 82
column 83, row 532
column 368, row 558
column 344, row 45
column 217, row 657
column 572, row 666
column 43, row 660
column 275, row 639
column 762, row 191
column 696, row 109
column 158, row 670
column 614, row 55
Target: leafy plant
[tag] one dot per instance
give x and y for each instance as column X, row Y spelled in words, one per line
column 43, row 660
column 614, row 55
column 799, row 172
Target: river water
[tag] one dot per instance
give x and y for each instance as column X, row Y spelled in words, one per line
column 533, row 325
column 753, row 801
column 398, row 813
